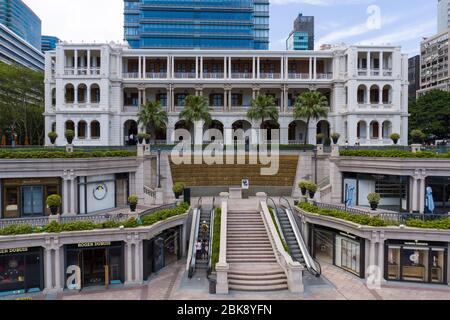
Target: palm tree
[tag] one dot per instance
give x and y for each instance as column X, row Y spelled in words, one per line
column 152, row 114
column 196, row 108
column 310, row 105
column 263, row 108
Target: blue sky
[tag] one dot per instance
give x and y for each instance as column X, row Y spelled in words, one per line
column 403, row 22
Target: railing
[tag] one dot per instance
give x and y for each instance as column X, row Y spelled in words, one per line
column 213, row 75
column 96, row 218
column 241, row 75
column 312, row 265
column 324, row 182
column 35, row 222
column 130, row 75
column 275, row 215
column 391, row 147
column 211, row 238
column 184, row 75
column 324, row 76
column 270, row 75
column 156, row 209
column 94, row 71
column 194, row 237
column 303, row 76
column 156, row 75
column 82, row 71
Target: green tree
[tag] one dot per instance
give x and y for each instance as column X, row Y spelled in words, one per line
column 263, row 108
column 431, row 114
column 196, row 108
column 311, row 105
column 21, row 104
column 153, row 115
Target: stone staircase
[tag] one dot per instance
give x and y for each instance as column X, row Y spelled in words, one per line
column 253, row 265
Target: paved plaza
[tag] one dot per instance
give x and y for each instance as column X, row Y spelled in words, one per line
column 172, row 283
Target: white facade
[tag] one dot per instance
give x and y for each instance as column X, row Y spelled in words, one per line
column 96, row 89
column 443, row 15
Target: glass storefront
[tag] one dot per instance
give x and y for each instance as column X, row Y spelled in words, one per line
column 97, row 193
column 100, row 263
column 341, row 249
column 21, row 270
column 26, row 197
column 441, row 193
column 416, row 261
column 394, row 190
column 161, row 251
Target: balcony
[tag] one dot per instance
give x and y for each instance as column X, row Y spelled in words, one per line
column 184, row 75
column 94, row 71
column 130, row 109
column 156, row 75
column 298, row 76
column 241, row 75
column 270, row 75
column 324, row 76
column 130, row 75
column 213, row 75
column 69, row 71
column 82, row 71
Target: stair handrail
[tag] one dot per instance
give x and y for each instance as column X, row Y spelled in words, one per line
column 276, row 218
column 211, row 237
column 194, row 239
column 312, row 265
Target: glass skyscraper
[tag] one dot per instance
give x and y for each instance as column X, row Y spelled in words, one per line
column 20, row 19
column 49, row 43
column 302, row 37
column 197, row 24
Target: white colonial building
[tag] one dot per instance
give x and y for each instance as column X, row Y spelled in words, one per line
column 97, row 89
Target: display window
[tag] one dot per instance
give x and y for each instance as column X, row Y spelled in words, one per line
column 21, row 270
column 348, row 254
column 416, row 262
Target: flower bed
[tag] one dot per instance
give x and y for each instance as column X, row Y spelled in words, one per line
column 65, row 155
column 393, row 154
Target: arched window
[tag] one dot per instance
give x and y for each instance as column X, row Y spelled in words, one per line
column 387, row 94
column 54, row 127
column 95, row 93
column 95, row 130
column 82, row 93
column 374, row 94
column 374, row 130
column 70, row 125
column 362, row 96
column 53, row 97
column 69, row 93
column 82, row 126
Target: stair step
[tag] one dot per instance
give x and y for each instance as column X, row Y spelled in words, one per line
column 259, row 288
column 250, row 277
column 248, row 260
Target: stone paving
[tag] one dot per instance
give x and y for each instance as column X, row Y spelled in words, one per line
column 172, row 283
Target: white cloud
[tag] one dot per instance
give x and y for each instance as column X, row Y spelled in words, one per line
column 321, row 3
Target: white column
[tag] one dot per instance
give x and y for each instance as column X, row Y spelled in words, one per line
column 229, row 68
column 139, row 98
column 196, row 68
column 144, row 68
column 372, row 253
column 368, row 64
column 225, row 68
column 48, row 269
column 310, row 68
column 72, row 196
column 414, row 195
column 129, row 273
column 282, row 67
column 88, row 64
column 380, row 131
column 258, row 67
column 172, row 64
column 368, row 136
column 225, row 100
column 65, row 196
column 380, row 95
column 75, row 63
column 58, row 267
column 229, row 100
column 254, row 67
column 138, row 262
column 88, row 95
column 381, row 63
column 168, row 68
column 422, row 195
column 380, row 258
column 144, row 96
column 315, row 68
column 201, row 67
column 140, row 68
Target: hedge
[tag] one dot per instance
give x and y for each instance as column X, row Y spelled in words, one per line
column 442, row 224
column 356, row 218
column 65, row 155
column 393, row 154
column 55, row 227
column 216, row 238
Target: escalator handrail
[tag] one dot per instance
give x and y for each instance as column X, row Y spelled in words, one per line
column 211, row 238
column 194, row 239
column 276, row 218
column 311, row 264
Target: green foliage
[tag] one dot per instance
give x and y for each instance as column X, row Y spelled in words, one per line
column 283, row 242
column 310, row 186
column 303, row 184
column 69, row 134
column 196, row 108
column 21, row 104
column 311, row 105
column 356, row 218
column 178, row 187
column 133, row 199
column 374, row 197
column 42, row 154
column 152, row 115
column 216, row 238
column 431, row 114
column 392, row 154
column 53, row 200
column 335, row 136
column 417, row 136
column 52, row 135
column 16, row 229
column 394, row 136
column 164, row 214
column 319, row 138
column 441, row 224
column 131, row 223
column 263, row 108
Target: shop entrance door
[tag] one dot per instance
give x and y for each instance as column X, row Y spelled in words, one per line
column 32, row 203
column 94, row 267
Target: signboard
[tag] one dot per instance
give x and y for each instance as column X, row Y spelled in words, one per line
column 13, row 250
column 245, row 184
column 94, row 244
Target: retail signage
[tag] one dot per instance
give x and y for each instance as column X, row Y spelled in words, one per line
column 347, row 235
column 416, row 244
column 13, row 250
column 94, row 244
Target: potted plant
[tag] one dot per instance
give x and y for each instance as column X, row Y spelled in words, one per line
column 133, row 201
column 178, row 189
column 53, row 202
column 69, row 136
column 52, row 136
column 327, row 142
column 374, row 200
column 417, row 136
column 147, row 138
column 303, row 186
column 312, row 189
column 141, row 137
column 395, row 137
column 335, row 137
column 319, row 138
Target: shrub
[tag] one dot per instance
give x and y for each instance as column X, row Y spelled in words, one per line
column 131, row 223
column 311, row 187
column 303, row 184
column 327, row 142
column 393, row 153
column 164, row 214
column 373, row 197
column 319, row 138
column 69, row 134
column 53, row 200
column 178, row 187
column 42, row 154
column 417, row 136
column 216, row 238
column 52, row 135
column 133, row 199
column 335, row 136
column 16, row 229
column 78, row 226
column 395, row 136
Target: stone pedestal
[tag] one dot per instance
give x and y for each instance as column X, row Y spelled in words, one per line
column 55, row 217
column 416, row 147
column 224, row 196
column 140, row 150
column 69, row 147
column 159, row 197
column 320, row 149
column 335, row 150
column 147, row 150
column 261, row 196
column 235, row 193
column 222, row 278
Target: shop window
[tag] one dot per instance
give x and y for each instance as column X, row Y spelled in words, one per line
column 415, row 264
column 11, row 203
column 394, row 263
column 437, row 265
column 348, row 254
column 323, row 246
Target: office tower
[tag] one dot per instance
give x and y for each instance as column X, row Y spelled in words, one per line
column 302, row 37
column 199, row 24
column 49, row 43
column 443, row 15
column 413, row 76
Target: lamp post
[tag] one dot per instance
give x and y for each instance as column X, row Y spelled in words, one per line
column 159, row 169
column 315, row 164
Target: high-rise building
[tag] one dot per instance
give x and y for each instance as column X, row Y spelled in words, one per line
column 49, row 43
column 302, row 37
column 20, row 19
column 413, row 76
column 197, row 24
column 443, row 15
column 434, row 64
